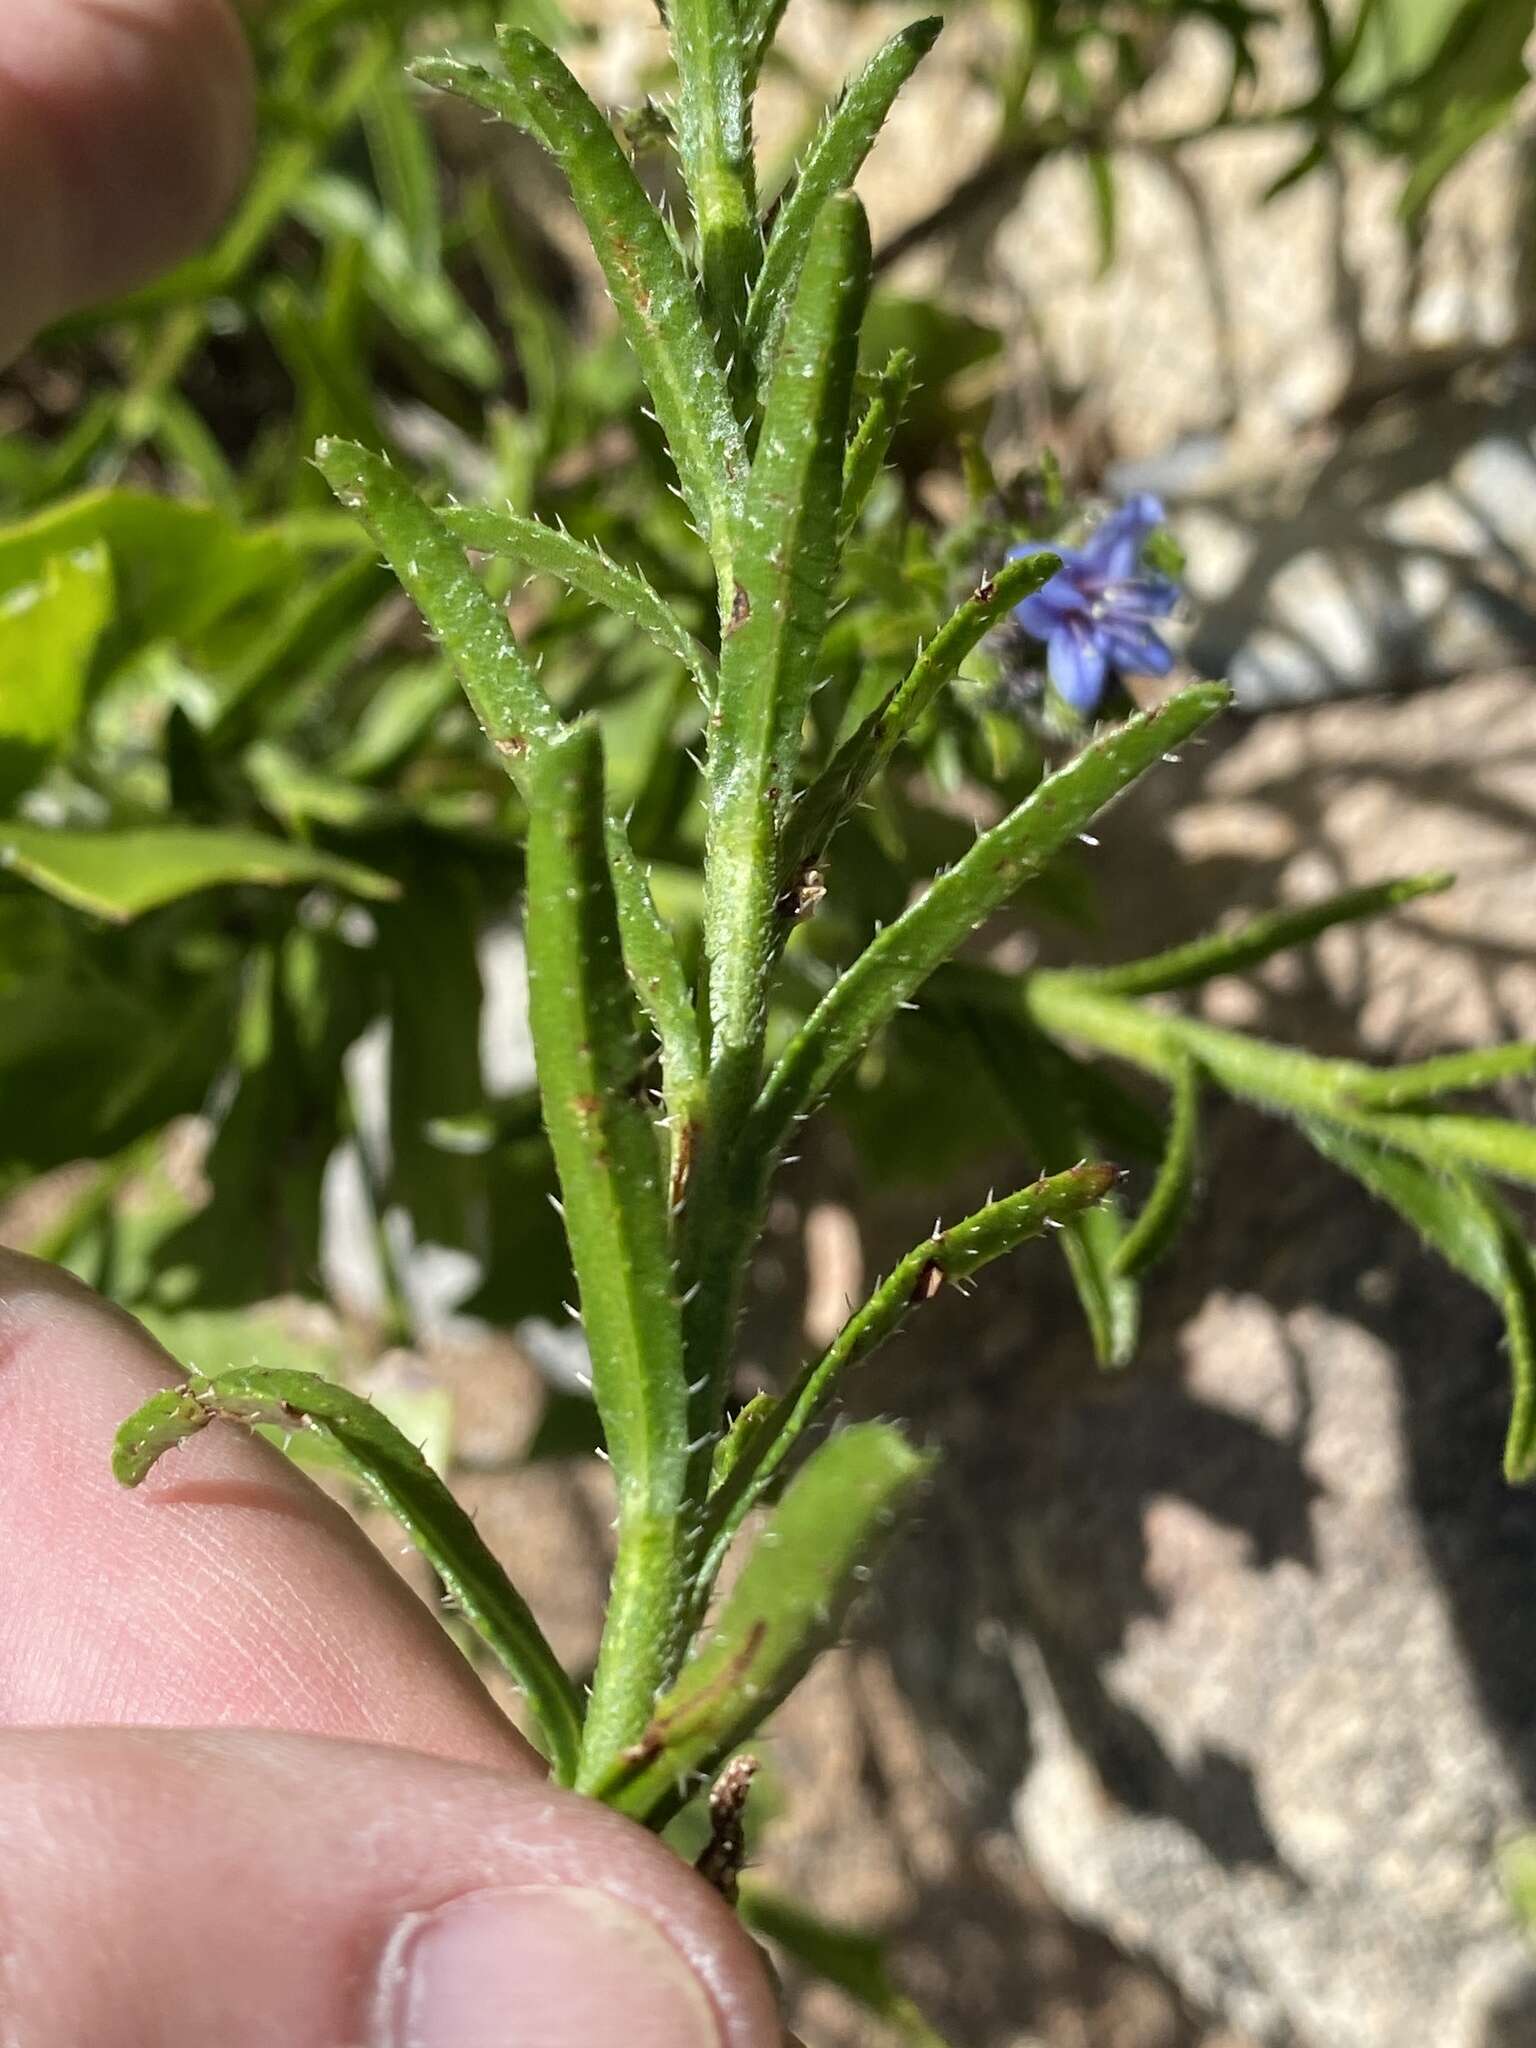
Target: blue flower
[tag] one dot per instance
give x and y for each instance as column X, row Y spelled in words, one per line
column 1095, row 615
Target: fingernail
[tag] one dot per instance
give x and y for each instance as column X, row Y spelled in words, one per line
column 541, row 1966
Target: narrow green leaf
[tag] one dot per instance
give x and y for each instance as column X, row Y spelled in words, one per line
column 1452, row 1074
column 1162, row 1217
column 724, row 1207
column 1275, row 1076
column 401, row 710
column 785, row 568
column 759, row 25
column 417, row 297
column 742, row 1439
column 1101, row 185
column 405, row 165
column 853, row 1961
column 896, row 964
column 49, row 631
column 397, row 1473
column 1519, row 1304
column 1517, row 1874
column 945, row 1258
column 646, row 278
column 550, row 551
column 836, row 155
column 1259, row 938
column 1447, row 1210
column 1462, row 1219
column 656, row 973
column 120, row 875
column 871, row 442
column 517, row 717
column 1504, row 1149
column 714, row 135
column 311, row 628
column 788, row 1603
column 837, row 791
column 585, row 1034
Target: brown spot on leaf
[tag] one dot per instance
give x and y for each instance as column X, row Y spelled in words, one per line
column 741, row 609
column 929, row 1281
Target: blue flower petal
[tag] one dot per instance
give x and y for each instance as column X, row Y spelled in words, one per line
column 1134, row 649
column 1078, row 665
column 1042, row 612
column 1141, row 597
column 1113, row 551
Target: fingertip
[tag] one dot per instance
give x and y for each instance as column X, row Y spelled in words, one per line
column 125, row 133
column 414, row 1903
column 228, row 1588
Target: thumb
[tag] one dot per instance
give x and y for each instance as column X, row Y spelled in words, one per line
column 125, row 128
column 246, row 1887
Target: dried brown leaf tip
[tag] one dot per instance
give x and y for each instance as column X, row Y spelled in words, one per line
column 720, row 1862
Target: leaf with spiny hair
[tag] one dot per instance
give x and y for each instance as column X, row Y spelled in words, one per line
column 871, row 440
column 799, row 1578
column 1460, row 1216
column 889, row 972
column 1448, row 1210
column 741, row 1438
column 647, row 281
column 833, row 162
column 901, row 958
column 544, row 550
column 948, row 1256
column 656, row 974
column 396, row 1473
column 1162, row 1215
column 841, row 785
column 429, row 560
column 585, row 1034
column 759, row 20
column 1259, row 938
column 1276, row 1077
column 1452, row 1073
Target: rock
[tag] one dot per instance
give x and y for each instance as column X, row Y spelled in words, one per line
column 1396, row 549
column 1240, row 1640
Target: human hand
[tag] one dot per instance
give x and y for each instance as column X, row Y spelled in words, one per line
column 354, row 1849
column 125, row 130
